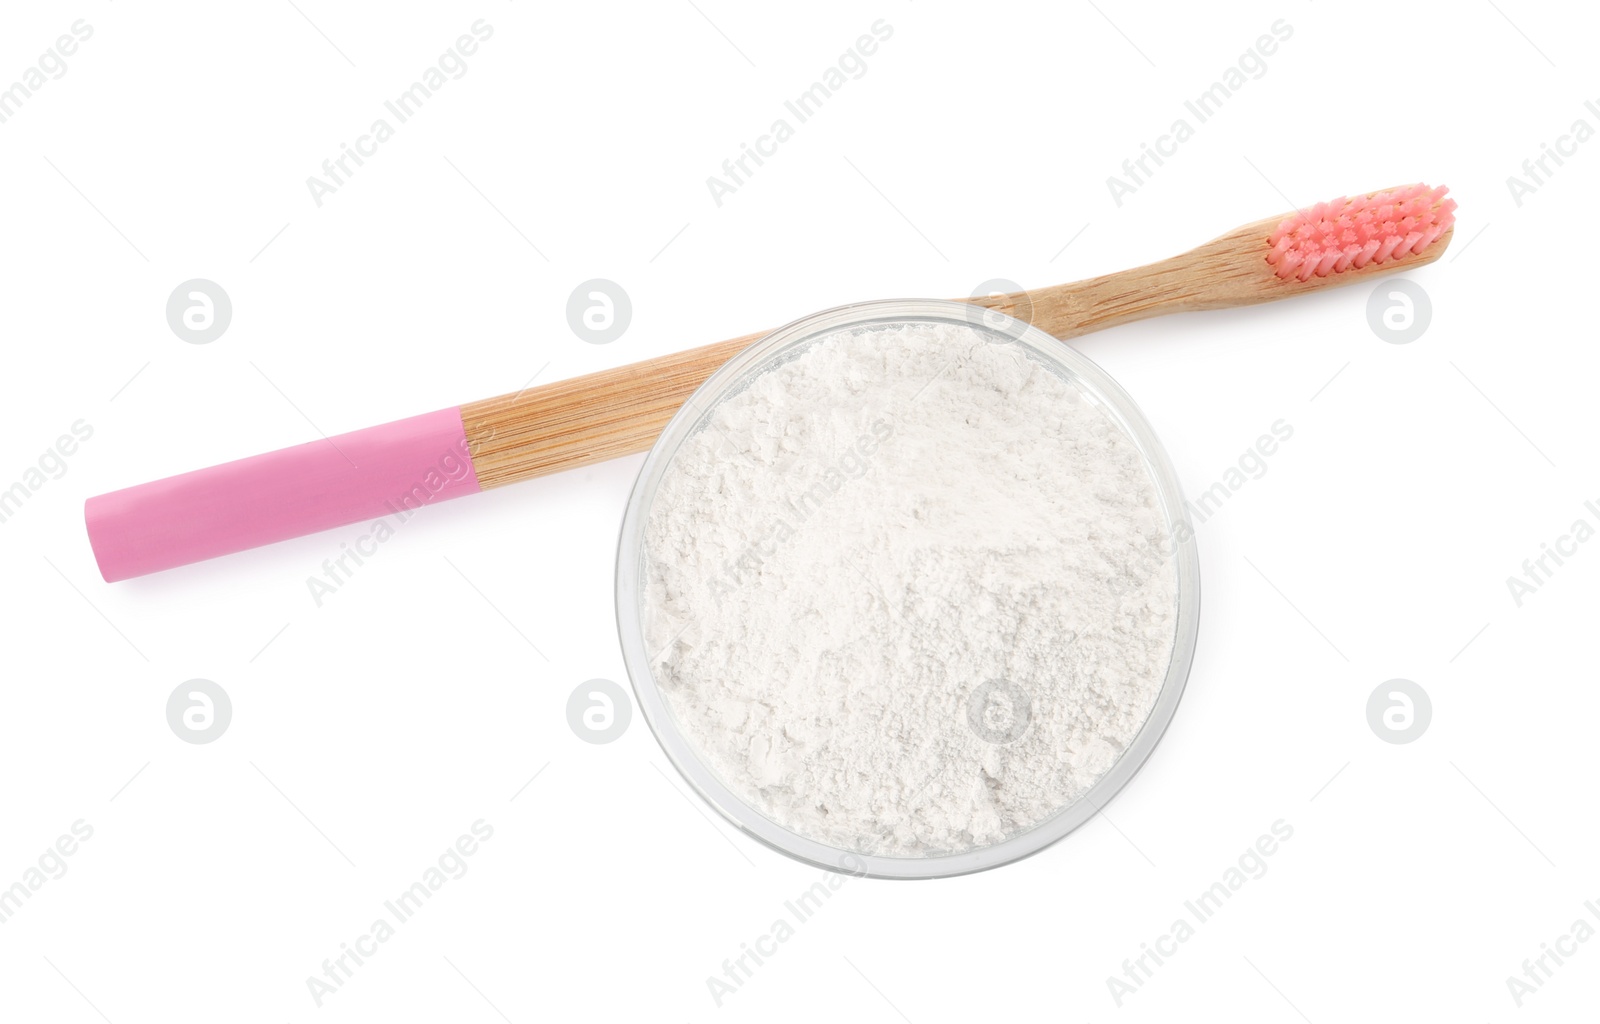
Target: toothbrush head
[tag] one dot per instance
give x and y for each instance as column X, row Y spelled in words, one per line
column 1350, row 233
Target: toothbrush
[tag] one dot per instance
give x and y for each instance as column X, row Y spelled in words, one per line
column 401, row 466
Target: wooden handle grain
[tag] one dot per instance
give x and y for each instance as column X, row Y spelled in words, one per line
column 620, row 411
column 586, row 419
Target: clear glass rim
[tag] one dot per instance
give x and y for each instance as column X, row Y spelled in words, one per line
column 629, row 594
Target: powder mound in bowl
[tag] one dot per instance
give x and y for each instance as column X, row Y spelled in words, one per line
column 908, row 590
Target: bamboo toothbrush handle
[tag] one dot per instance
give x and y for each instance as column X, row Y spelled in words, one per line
column 621, row 411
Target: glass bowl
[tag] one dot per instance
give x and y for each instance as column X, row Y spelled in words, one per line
column 785, row 343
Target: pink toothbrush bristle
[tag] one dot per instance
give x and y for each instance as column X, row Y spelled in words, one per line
column 1349, row 234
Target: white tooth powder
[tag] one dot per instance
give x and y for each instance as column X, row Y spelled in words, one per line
column 907, row 593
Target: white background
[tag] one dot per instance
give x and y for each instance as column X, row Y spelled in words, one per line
column 370, row 732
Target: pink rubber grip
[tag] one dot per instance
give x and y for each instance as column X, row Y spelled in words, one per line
column 366, row 474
